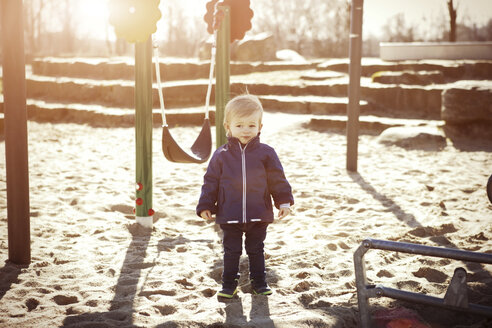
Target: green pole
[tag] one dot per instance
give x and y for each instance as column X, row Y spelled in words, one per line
column 143, row 132
column 16, row 152
column 355, row 53
column 222, row 73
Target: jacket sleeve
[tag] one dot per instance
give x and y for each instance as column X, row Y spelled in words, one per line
column 278, row 185
column 210, row 187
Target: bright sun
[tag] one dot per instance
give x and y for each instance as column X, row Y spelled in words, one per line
column 91, row 17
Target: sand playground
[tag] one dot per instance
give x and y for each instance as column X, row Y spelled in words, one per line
column 93, row 266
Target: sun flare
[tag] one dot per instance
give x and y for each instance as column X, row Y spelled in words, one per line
column 91, row 17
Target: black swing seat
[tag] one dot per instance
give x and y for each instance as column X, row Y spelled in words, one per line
column 200, row 150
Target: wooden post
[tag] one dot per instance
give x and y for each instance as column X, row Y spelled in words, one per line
column 143, row 132
column 16, row 152
column 354, row 84
column 222, row 69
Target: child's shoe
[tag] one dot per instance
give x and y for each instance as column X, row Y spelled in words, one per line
column 229, row 289
column 260, row 287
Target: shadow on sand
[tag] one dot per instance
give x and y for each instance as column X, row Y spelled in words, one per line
column 9, row 275
column 478, row 293
column 120, row 313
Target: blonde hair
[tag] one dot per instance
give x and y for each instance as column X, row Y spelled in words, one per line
column 242, row 106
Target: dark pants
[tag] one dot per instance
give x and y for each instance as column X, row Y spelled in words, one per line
column 255, row 233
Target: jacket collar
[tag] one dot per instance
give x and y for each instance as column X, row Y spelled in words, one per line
column 234, row 142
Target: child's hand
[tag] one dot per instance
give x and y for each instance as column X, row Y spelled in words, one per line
column 283, row 212
column 206, row 215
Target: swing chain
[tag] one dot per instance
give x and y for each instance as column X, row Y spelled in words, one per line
column 158, row 78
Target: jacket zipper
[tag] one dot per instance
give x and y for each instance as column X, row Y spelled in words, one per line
column 243, row 161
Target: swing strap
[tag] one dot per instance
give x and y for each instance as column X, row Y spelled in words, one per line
column 202, row 147
column 210, row 78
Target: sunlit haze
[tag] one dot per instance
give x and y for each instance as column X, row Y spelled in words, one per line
column 91, row 16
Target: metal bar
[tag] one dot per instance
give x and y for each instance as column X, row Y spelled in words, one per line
column 222, row 66
column 365, row 291
column 355, row 54
column 431, row 300
column 410, row 248
column 143, row 127
column 16, row 151
column 361, row 284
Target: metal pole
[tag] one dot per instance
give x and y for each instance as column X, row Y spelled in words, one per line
column 143, row 132
column 361, row 284
column 410, row 248
column 222, row 68
column 365, row 291
column 431, row 300
column 355, row 54
column 16, row 152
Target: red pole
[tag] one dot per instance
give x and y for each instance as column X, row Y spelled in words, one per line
column 14, row 94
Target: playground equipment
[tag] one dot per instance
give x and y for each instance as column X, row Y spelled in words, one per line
column 240, row 16
column 355, row 53
column 202, row 147
column 136, row 21
column 14, row 92
column 217, row 18
column 455, row 298
column 231, row 19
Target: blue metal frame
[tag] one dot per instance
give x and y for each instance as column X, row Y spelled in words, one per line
column 366, row 291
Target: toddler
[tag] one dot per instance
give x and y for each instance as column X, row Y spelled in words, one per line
column 241, row 179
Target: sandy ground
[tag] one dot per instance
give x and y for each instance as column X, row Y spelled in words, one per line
column 92, row 266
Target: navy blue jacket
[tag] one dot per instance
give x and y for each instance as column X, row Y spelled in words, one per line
column 240, row 182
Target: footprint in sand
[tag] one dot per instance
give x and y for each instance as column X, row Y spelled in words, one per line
column 182, row 249
column 166, row 309
column 150, row 293
column 65, row 300
column 332, row 247
column 185, row 283
column 303, row 275
column 432, row 231
column 302, row 286
column 208, row 292
column 384, row 273
column 31, row 304
column 409, row 285
column 44, row 290
column 92, row 303
column 306, row 299
column 432, row 275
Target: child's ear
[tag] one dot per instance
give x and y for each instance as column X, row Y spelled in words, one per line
column 261, row 126
column 226, row 127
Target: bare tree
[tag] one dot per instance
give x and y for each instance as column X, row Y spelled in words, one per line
column 33, row 25
column 397, row 30
column 488, row 30
column 40, row 16
column 182, row 33
column 68, row 32
column 452, row 20
column 310, row 27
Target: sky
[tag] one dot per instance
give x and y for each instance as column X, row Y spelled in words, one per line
column 376, row 13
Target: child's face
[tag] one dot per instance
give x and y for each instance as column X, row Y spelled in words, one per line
column 244, row 128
